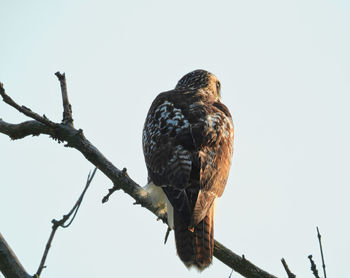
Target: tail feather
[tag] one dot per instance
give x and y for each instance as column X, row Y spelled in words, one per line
column 204, row 238
column 195, row 246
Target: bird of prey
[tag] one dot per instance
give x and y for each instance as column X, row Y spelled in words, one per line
column 188, row 145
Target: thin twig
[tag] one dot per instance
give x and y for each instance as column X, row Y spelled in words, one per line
column 25, row 110
column 110, row 192
column 286, row 268
column 313, row 267
column 321, row 250
column 61, row 223
column 115, row 187
column 67, row 107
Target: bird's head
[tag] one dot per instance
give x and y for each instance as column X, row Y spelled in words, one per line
column 202, row 81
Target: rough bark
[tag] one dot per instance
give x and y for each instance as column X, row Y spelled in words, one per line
column 9, row 264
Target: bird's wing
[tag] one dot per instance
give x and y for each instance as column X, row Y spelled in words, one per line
column 215, row 140
column 188, row 149
column 168, row 150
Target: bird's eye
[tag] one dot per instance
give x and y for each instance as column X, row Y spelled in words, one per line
column 218, row 86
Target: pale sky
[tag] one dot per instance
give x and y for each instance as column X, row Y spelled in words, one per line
column 284, row 67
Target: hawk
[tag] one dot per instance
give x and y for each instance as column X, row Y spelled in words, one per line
column 188, row 145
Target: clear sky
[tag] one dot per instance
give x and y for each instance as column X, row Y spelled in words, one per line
column 284, row 68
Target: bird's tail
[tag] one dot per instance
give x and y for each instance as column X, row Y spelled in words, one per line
column 195, row 246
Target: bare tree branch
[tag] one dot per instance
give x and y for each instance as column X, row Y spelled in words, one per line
column 321, row 250
column 67, row 108
column 61, row 223
column 25, row 110
column 75, row 138
column 9, row 264
column 19, row 131
column 313, row 267
column 238, row 263
column 286, row 268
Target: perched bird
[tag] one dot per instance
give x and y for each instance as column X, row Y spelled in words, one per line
column 188, row 145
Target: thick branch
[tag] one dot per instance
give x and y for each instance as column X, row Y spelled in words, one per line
column 76, row 139
column 238, row 263
column 19, row 131
column 9, row 264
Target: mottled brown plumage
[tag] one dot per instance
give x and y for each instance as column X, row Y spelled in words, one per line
column 188, row 145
